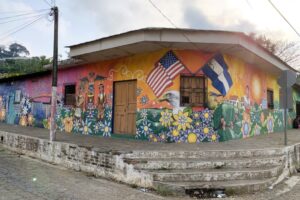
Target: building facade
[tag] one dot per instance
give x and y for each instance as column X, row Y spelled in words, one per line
column 169, row 94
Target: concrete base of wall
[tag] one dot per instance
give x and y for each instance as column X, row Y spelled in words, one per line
column 167, row 170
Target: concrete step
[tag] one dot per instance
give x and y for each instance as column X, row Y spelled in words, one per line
column 215, row 174
column 251, row 153
column 183, row 163
column 230, row 187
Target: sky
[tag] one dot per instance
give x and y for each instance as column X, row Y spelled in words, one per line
column 84, row 20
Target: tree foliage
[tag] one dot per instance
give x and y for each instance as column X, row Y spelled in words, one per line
column 14, row 50
column 287, row 51
column 13, row 61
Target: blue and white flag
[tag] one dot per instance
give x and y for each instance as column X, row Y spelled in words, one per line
column 216, row 71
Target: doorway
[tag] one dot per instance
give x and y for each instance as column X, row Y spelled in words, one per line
column 298, row 108
column 125, row 107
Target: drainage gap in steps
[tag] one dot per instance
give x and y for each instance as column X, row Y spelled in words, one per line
column 203, row 193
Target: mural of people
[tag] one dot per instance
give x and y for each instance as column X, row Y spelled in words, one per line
column 101, row 101
column 80, row 99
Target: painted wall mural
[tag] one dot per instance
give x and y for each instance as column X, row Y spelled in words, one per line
column 236, row 105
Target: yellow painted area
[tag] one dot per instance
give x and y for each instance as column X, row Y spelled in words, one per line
column 248, row 81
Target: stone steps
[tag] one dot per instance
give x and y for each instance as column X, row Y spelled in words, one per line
column 235, row 171
column 230, row 187
column 215, row 174
column 183, row 163
column 208, row 154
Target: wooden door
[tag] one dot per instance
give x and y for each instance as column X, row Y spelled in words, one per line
column 125, row 107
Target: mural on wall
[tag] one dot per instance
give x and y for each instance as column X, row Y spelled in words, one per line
column 234, row 110
column 236, row 105
column 92, row 113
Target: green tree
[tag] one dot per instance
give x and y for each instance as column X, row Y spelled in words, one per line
column 17, row 50
column 13, row 61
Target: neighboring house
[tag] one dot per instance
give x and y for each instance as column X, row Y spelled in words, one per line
column 159, row 84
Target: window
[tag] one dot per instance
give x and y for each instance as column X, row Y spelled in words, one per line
column 192, row 91
column 70, row 91
column 270, row 99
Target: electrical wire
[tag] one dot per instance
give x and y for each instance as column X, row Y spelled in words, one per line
column 19, row 28
column 21, row 11
column 172, row 23
column 24, row 14
column 28, row 17
column 47, row 3
column 285, row 19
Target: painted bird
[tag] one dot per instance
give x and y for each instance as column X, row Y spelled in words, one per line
column 173, row 98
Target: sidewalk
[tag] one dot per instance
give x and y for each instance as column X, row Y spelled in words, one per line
column 273, row 140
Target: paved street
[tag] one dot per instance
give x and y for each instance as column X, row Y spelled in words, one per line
column 25, row 178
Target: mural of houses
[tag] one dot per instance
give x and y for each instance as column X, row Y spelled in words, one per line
column 155, row 84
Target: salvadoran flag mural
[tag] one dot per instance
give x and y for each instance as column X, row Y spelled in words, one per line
column 216, row 71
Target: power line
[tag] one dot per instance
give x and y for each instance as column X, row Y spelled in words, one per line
column 28, row 17
column 285, row 19
column 21, row 11
column 19, row 28
column 172, row 23
column 47, row 3
column 24, row 14
column 16, row 27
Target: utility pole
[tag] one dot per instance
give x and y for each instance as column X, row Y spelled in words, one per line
column 54, row 76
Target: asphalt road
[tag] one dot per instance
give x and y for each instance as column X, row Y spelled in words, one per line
column 23, row 178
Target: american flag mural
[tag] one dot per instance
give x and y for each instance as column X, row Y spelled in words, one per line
column 166, row 69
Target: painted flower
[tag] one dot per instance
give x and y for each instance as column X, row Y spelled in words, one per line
column 191, row 136
column 153, row 138
column 197, row 124
column 246, row 128
column 86, row 127
column 214, row 137
column 68, row 122
column 76, row 125
column 270, row 123
column 174, row 134
column 163, row 137
column 166, row 118
column 182, row 121
column 145, row 128
column 196, row 115
column 206, row 130
column 138, row 134
column 108, row 113
column 97, row 127
column 106, row 129
column 144, row 100
column 144, row 114
column 206, row 116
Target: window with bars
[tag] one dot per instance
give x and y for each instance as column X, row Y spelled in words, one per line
column 192, row 91
column 270, row 99
column 70, row 98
